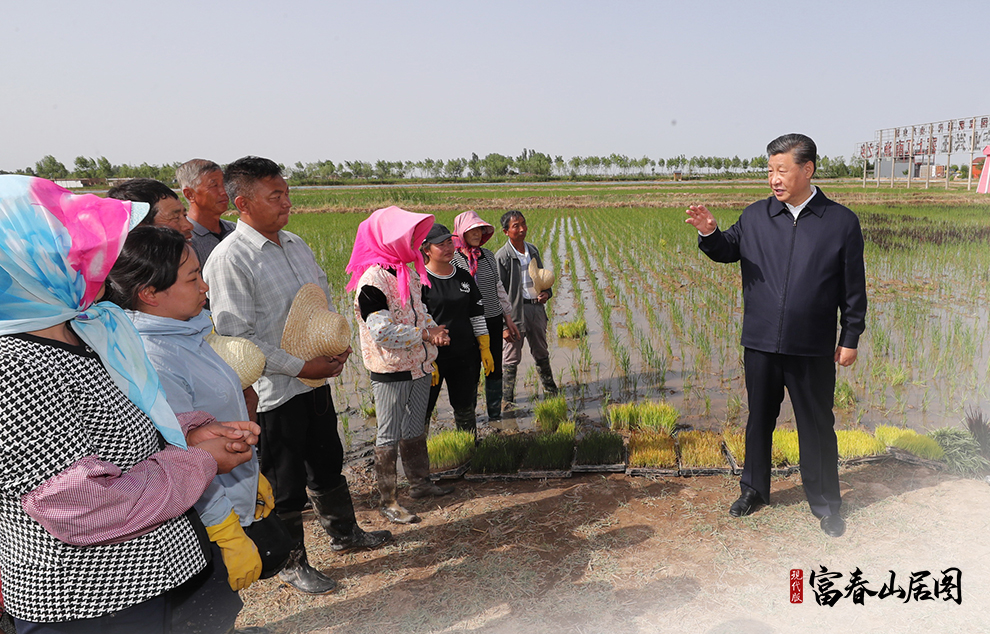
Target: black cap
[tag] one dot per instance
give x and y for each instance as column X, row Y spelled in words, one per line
column 438, row 233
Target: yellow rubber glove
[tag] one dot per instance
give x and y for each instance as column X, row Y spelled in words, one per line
column 435, row 379
column 487, row 362
column 240, row 555
column 266, row 498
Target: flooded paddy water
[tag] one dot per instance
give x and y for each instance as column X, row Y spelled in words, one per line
column 664, row 321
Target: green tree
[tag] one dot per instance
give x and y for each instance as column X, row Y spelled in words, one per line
column 51, row 168
column 495, row 165
column 453, row 168
column 474, row 166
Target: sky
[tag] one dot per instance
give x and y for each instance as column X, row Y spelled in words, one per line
column 366, row 80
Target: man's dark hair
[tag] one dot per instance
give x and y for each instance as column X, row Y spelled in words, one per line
column 143, row 190
column 151, row 257
column 507, row 217
column 241, row 175
column 804, row 148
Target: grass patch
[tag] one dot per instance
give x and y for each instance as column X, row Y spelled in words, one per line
column 550, row 413
column 572, row 329
column 785, row 441
column 600, row 447
column 550, row 451
column 921, row 446
column 845, row 396
column 736, row 442
column 449, row 448
column 962, row 452
column 887, row 433
column 500, row 453
column 645, row 415
column 701, row 449
column 652, row 450
column 856, row 443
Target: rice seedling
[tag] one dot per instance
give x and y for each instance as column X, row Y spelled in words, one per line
column 549, row 451
column 701, row 449
column 887, row 433
column 962, row 452
column 550, row 412
column 921, row 446
column 600, row 447
column 576, row 329
column 568, row 428
column 652, row 450
column 736, row 442
column 857, row 443
column 656, row 415
column 845, row 396
column 786, row 441
column 978, row 426
column 449, row 448
column 500, row 453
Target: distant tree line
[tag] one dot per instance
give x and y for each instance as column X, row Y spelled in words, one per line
column 529, row 165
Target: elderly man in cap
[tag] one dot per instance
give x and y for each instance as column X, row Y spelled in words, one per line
column 254, row 274
column 801, row 259
column 201, row 182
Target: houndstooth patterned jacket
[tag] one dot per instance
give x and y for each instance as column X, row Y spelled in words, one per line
column 58, row 405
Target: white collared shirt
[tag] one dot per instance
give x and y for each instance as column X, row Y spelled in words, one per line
column 796, row 209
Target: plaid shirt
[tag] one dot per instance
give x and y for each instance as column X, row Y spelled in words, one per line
column 252, row 284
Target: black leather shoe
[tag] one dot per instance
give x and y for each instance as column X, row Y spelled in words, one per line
column 833, row 525
column 748, row 502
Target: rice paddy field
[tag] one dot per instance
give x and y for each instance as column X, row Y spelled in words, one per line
column 658, row 350
column 661, row 321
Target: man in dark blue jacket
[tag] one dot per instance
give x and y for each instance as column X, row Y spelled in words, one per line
column 801, row 258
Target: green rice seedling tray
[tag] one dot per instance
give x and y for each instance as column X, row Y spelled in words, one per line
column 451, row 474
column 737, row 469
column 647, row 471
column 619, row 467
column 544, row 475
column 910, row 458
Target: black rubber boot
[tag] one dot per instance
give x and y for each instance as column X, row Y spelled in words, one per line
column 465, row 420
column 297, row 571
column 493, row 399
column 546, row 376
column 335, row 511
column 416, row 464
column 509, row 385
column 385, row 471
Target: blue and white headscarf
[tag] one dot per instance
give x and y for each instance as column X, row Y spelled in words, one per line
column 56, row 250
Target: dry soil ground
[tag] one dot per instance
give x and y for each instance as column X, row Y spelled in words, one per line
column 612, row 553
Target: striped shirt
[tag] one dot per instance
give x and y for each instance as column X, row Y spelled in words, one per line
column 496, row 300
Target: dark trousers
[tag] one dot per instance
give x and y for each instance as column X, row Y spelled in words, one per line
column 300, row 447
column 495, row 327
column 151, row 616
column 461, row 374
column 810, row 382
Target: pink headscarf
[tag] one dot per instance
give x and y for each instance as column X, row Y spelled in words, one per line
column 462, row 224
column 387, row 238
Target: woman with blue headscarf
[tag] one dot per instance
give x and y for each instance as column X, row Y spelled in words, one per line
column 96, row 476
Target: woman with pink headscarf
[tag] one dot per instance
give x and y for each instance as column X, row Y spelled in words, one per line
column 470, row 233
column 399, row 342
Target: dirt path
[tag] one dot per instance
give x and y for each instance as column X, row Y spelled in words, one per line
column 619, row 554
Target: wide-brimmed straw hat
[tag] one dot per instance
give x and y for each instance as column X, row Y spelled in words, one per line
column 542, row 278
column 313, row 330
column 247, row 359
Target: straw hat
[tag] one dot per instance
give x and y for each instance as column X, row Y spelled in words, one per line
column 313, row 330
column 542, row 278
column 244, row 357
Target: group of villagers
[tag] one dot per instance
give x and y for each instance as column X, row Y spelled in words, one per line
column 131, row 496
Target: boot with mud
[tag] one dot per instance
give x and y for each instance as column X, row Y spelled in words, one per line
column 466, row 420
column 546, row 377
column 335, row 510
column 416, row 464
column 389, row 507
column 493, row 399
column 297, row 571
column 509, row 388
